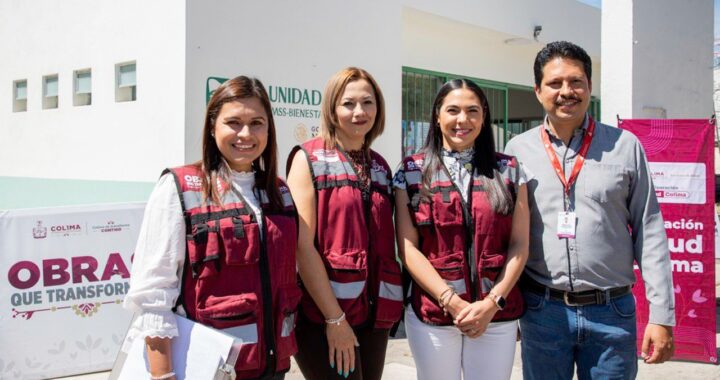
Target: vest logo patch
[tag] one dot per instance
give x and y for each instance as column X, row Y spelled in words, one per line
column 193, row 181
column 506, row 162
column 415, row 165
column 326, row 155
column 378, row 168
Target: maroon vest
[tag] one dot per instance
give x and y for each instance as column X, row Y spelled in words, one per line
column 240, row 276
column 355, row 237
column 468, row 248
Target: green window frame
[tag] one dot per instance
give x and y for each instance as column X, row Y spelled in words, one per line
column 419, row 88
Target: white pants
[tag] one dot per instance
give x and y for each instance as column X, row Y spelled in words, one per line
column 443, row 352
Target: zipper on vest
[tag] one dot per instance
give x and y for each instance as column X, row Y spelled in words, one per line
column 471, row 257
column 367, row 205
column 268, row 320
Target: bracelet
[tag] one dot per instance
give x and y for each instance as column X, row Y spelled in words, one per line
column 443, row 294
column 336, row 321
column 447, row 302
column 445, row 298
column 162, row 377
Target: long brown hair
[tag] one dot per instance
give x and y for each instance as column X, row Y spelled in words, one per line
column 334, row 90
column 213, row 164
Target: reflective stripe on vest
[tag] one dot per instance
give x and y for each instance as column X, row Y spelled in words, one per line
column 347, row 290
column 287, row 198
column 390, row 291
column 337, row 168
column 458, row 285
column 413, row 176
column 246, row 334
column 487, row 284
column 194, row 199
column 288, row 325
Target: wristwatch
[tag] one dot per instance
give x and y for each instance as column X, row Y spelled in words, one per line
column 499, row 300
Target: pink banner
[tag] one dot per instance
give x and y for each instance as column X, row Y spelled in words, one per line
column 680, row 153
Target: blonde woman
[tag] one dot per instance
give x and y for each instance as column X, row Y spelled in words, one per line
column 351, row 283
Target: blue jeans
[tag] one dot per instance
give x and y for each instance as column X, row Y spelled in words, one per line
column 599, row 339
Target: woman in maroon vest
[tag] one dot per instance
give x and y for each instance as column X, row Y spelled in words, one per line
column 463, row 237
column 218, row 242
column 352, row 290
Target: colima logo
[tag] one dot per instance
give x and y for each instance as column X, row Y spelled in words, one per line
column 66, row 228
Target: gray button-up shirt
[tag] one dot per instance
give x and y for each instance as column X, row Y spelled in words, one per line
column 618, row 217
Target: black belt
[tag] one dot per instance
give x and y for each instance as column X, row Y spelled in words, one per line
column 587, row 297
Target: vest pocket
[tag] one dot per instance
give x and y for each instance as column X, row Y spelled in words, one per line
column 282, row 242
column 285, row 318
column 450, row 267
column 241, row 241
column 490, row 265
column 236, row 315
column 447, row 213
column 390, row 298
column 348, row 279
column 202, row 247
column 422, row 214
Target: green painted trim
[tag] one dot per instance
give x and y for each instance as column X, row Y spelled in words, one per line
column 407, row 69
column 483, row 82
column 507, row 114
column 512, row 86
column 500, row 86
column 24, row 192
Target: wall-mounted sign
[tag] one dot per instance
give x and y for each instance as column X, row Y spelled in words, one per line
column 295, row 109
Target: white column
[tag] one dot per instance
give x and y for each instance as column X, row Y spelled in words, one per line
column 656, row 59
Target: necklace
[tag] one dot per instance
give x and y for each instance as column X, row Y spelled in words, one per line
column 359, row 160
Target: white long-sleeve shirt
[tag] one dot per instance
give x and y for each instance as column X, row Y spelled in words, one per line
column 160, row 256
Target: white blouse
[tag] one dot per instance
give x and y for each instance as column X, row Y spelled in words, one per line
column 160, row 256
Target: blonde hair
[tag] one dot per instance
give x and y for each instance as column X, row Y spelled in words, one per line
column 334, row 90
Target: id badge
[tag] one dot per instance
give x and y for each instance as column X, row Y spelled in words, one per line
column 566, row 224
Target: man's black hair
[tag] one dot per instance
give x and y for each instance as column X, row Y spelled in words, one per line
column 561, row 49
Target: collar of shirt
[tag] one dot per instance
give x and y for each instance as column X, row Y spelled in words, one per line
column 578, row 131
column 575, row 142
column 456, row 160
column 459, row 165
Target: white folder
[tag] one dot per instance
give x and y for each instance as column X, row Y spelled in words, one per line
column 199, row 352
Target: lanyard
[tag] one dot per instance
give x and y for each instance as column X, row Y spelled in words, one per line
column 567, row 183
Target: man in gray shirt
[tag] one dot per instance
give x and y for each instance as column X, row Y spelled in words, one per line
column 593, row 211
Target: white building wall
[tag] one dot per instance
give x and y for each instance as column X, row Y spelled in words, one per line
column 560, row 19
column 129, row 141
column 293, row 44
column 617, row 72
column 657, row 59
column 673, row 62
column 446, row 45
